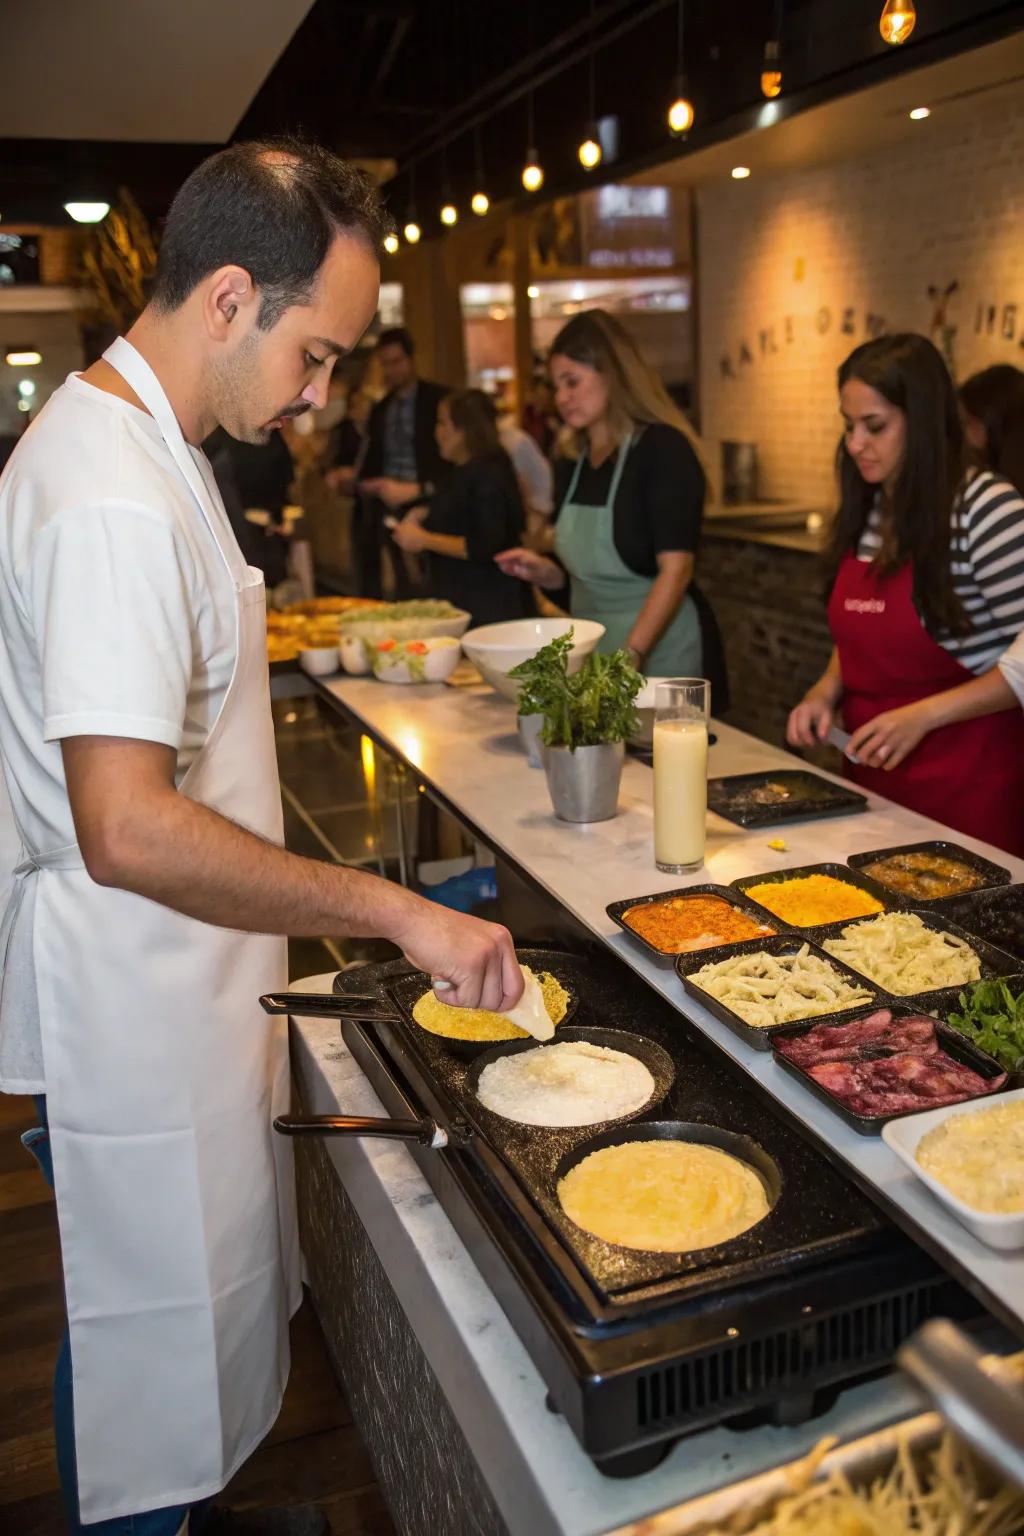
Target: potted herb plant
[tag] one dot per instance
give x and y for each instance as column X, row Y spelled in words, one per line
column 540, row 678
column 587, row 719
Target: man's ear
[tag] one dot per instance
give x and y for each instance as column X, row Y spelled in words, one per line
column 230, row 299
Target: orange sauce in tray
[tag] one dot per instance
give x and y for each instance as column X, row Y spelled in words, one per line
column 684, row 923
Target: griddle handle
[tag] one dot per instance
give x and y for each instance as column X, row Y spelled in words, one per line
column 365, row 1007
column 984, row 1411
column 426, row 1131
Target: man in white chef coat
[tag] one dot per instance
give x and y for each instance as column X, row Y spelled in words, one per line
column 138, row 751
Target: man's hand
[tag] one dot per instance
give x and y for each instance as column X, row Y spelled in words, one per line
column 530, row 566
column 888, row 739
column 394, row 493
column 410, row 535
column 477, row 958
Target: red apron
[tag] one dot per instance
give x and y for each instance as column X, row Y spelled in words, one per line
column 970, row 776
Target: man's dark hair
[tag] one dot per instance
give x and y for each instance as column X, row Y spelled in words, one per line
column 397, row 336
column 273, row 207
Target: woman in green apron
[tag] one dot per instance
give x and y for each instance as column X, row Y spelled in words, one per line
column 630, row 508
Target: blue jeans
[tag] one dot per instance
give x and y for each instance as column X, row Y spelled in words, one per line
column 155, row 1522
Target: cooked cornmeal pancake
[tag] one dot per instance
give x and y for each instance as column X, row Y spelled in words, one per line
column 663, row 1196
column 480, row 1023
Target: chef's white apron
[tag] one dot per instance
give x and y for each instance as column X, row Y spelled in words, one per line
column 175, row 1198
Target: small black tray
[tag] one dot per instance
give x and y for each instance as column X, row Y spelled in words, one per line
column 950, row 1040
column 948, row 1001
column 890, row 902
column 994, row 874
column 995, row 915
column 729, row 797
column 617, row 910
column 782, row 944
column 994, row 962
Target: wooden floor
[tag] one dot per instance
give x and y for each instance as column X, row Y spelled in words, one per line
column 314, row 1452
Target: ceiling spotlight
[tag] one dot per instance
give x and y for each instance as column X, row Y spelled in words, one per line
column 920, row 113
column 740, row 172
column 533, row 175
column 533, row 292
column 391, row 242
column 26, row 358
column 412, row 231
column 449, row 214
column 589, row 154
column 480, row 203
column 87, row 213
column 897, row 21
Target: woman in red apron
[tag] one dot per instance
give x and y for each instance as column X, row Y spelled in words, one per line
column 928, row 591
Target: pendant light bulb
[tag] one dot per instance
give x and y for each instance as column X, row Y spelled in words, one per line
column 680, row 116
column 897, row 21
column 771, row 70
column 589, row 153
column 533, row 175
column 412, row 231
column 480, row 203
column 391, row 242
column 449, row 214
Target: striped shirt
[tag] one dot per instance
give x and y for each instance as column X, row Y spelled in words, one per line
column 987, row 566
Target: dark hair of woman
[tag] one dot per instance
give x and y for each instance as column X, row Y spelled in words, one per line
column 918, row 517
column 995, row 398
column 473, row 414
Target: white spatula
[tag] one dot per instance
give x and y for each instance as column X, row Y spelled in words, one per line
column 530, row 1013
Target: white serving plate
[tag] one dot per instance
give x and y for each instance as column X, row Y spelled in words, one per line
column 383, row 628
column 903, row 1136
column 494, row 649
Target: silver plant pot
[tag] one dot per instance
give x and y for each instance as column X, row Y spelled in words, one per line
column 584, row 785
column 530, row 727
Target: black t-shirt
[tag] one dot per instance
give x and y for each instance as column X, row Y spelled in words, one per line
column 479, row 502
column 660, row 500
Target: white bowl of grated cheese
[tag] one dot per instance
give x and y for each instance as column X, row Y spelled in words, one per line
column 979, row 1147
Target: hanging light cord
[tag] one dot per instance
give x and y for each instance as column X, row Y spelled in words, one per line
column 680, row 35
column 593, row 72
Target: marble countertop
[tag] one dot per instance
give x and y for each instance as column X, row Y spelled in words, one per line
column 462, row 742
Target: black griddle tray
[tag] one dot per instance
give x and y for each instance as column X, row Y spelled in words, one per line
column 811, row 798
column 994, row 962
column 815, row 1214
column 996, row 915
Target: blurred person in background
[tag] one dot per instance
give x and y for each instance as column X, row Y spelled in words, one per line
column 348, row 441
column 474, row 513
column 401, row 462
column 927, row 562
column 255, row 477
column 629, row 508
column 535, row 476
column 992, row 410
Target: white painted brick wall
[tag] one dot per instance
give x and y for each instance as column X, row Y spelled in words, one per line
column 868, row 235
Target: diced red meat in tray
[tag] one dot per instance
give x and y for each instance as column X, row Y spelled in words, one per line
column 884, row 1065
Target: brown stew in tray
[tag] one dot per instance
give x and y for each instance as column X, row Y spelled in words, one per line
column 684, row 923
column 924, row 875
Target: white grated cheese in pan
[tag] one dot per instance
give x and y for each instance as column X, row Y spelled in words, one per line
column 570, row 1083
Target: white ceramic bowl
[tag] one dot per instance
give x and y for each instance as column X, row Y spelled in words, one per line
column 439, row 662
column 356, row 658
column 494, row 649
column 904, row 1135
column 320, row 660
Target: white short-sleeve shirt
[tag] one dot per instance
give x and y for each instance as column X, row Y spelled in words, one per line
column 117, row 613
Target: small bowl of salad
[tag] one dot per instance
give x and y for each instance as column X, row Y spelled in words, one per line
column 430, row 660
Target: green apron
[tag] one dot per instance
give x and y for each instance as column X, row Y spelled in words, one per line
column 603, row 587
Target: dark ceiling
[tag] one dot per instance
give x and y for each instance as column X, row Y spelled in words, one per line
column 392, row 79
